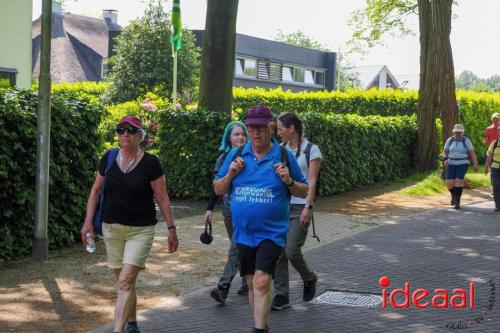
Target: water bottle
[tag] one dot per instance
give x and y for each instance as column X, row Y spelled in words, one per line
column 90, row 243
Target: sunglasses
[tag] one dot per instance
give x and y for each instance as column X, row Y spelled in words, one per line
column 130, row 129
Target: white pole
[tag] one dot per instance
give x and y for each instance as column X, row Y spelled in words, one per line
column 174, row 97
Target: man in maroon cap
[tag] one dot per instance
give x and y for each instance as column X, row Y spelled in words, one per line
column 260, row 183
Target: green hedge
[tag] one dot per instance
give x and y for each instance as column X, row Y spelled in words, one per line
column 475, row 108
column 188, row 147
column 373, row 102
column 357, row 150
column 74, row 144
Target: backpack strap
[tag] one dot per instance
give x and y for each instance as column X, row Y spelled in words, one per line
column 238, row 152
column 307, row 152
column 112, row 154
column 495, row 145
column 284, row 156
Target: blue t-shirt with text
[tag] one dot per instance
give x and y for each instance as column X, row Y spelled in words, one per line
column 259, row 199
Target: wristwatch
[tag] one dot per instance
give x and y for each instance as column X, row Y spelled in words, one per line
column 308, row 206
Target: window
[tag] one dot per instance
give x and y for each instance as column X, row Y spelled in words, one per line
column 308, row 76
column 320, row 78
column 7, row 77
column 249, row 67
column 104, row 68
column 238, row 66
column 298, row 74
column 287, row 73
column 245, row 67
column 263, row 69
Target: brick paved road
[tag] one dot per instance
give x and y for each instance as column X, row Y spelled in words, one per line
column 440, row 249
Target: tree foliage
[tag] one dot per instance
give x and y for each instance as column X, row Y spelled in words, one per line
column 298, row 38
column 467, row 80
column 143, row 60
column 345, row 78
column 379, row 18
column 437, row 78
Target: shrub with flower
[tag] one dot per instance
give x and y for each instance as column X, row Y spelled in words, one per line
column 147, row 109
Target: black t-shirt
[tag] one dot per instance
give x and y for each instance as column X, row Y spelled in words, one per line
column 129, row 196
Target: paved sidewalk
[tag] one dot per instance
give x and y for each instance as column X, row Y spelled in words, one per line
column 439, row 249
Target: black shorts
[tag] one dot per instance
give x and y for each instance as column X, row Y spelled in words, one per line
column 262, row 258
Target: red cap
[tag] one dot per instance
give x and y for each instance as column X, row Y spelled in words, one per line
column 259, row 116
column 132, row 120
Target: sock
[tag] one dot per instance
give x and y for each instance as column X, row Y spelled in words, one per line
column 458, row 191
column 452, row 191
column 132, row 323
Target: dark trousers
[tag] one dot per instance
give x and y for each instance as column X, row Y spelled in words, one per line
column 495, row 179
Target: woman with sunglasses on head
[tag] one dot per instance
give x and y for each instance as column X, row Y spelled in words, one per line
column 291, row 132
column 235, row 135
column 134, row 182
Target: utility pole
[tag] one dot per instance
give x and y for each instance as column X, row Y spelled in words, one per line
column 41, row 241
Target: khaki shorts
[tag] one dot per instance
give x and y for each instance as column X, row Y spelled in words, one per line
column 127, row 245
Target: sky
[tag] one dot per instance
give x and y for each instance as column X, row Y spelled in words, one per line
column 475, row 36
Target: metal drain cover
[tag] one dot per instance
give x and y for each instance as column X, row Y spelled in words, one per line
column 344, row 298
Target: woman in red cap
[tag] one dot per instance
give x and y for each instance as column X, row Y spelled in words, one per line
column 134, row 180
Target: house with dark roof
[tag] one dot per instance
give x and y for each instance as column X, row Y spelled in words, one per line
column 377, row 76
column 80, row 45
column 269, row 64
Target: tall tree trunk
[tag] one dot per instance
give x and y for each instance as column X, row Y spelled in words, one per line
column 426, row 151
column 218, row 56
column 447, row 101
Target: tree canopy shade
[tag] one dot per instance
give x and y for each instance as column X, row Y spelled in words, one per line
column 143, row 60
column 218, row 56
column 437, row 78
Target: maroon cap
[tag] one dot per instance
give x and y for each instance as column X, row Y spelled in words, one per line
column 258, row 116
column 132, row 120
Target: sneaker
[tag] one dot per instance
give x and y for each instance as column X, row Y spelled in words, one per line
column 254, row 330
column 309, row 289
column 497, row 210
column 219, row 295
column 280, row 302
column 243, row 291
column 132, row 329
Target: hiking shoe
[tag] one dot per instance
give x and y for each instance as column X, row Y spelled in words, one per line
column 219, row 295
column 243, row 291
column 457, row 205
column 132, row 329
column 309, row 289
column 255, row 330
column 497, row 210
column 280, row 302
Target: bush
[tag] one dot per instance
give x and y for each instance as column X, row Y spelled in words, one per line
column 357, row 150
column 188, row 147
column 373, row 102
column 73, row 161
column 475, row 108
column 146, row 109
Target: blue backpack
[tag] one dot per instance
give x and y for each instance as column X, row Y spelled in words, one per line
column 97, row 222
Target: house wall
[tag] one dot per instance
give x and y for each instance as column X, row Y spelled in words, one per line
column 15, row 39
